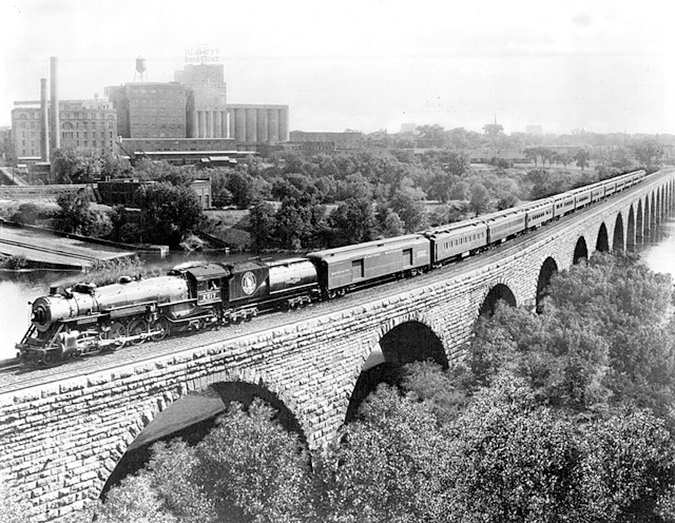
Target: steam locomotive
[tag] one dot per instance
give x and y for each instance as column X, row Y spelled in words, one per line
column 86, row 319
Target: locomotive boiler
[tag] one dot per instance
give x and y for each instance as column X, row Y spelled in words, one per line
column 86, row 319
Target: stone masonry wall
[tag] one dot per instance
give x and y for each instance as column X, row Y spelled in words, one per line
column 61, row 441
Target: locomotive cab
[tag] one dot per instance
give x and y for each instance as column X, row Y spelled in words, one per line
column 206, row 283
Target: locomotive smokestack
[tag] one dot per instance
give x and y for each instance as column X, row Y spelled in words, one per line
column 55, row 134
column 44, row 122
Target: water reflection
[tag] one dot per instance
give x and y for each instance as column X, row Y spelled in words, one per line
column 658, row 251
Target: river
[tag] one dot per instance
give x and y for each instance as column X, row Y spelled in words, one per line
column 19, row 288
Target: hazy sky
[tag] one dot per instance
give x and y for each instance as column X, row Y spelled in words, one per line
column 369, row 64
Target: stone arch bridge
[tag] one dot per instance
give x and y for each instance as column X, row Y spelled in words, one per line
column 63, row 435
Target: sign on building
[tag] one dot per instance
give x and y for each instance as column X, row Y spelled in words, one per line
column 202, row 54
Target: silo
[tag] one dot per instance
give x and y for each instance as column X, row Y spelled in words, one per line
column 283, row 124
column 251, row 125
column 273, row 125
column 240, row 125
column 262, row 125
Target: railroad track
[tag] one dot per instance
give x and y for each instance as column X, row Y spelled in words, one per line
column 22, row 378
column 48, row 250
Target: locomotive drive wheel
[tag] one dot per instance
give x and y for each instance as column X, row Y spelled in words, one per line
column 117, row 332
column 162, row 325
column 137, row 327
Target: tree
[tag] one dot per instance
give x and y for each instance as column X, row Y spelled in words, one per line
column 531, row 154
column 298, row 224
column 479, row 198
column 112, row 166
column 493, row 130
column 242, row 188
column 389, row 223
column 66, row 165
column 629, row 305
column 168, row 212
column 262, row 223
column 648, row 152
column 628, row 467
column 253, row 470
column 134, row 499
column 435, row 134
column 407, row 203
column 353, row 222
column 12, row 509
column 513, row 461
column 391, row 465
column 562, row 158
column 75, row 215
column 581, row 158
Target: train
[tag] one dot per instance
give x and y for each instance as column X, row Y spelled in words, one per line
column 85, row 319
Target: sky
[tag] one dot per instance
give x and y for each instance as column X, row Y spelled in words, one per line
column 605, row 66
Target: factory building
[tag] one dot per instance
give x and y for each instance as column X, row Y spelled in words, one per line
column 84, row 124
column 195, row 107
column 206, row 101
column 149, row 109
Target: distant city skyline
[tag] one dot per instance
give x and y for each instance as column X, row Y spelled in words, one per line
column 369, row 64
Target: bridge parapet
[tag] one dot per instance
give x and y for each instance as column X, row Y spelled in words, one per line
column 61, row 440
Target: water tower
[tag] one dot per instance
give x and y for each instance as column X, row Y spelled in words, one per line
column 140, row 74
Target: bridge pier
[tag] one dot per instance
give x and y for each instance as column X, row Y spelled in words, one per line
column 62, row 439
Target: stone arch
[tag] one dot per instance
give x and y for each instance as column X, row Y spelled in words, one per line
column 548, row 269
column 602, row 244
column 580, row 251
column 235, row 386
column 405, row 342
column 639, row 222
column 630, row 232
column 502, row 292
column 618, row 243
column 412, row 341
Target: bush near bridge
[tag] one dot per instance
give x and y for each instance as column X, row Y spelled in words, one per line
column 561, row 416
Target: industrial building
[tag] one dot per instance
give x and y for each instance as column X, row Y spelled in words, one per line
column 185, row 121
column 84, row 124
column 194, row 107
column 316, row 142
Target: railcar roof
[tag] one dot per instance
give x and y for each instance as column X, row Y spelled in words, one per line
column 366, row 249
column 376, row 244
column 458, row 227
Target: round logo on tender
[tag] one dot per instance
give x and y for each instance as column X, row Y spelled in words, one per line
column 248, row 283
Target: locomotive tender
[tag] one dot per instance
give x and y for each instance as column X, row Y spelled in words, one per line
column 85, row 319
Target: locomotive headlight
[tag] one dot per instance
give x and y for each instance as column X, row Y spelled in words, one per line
column 40, row 314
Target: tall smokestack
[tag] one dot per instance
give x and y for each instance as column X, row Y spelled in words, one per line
column 55, row 134
column 44, row 121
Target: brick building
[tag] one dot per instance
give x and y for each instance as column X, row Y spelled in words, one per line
column 320, row 141
column 125, row 191
column 84, row 124
column 149, row 109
